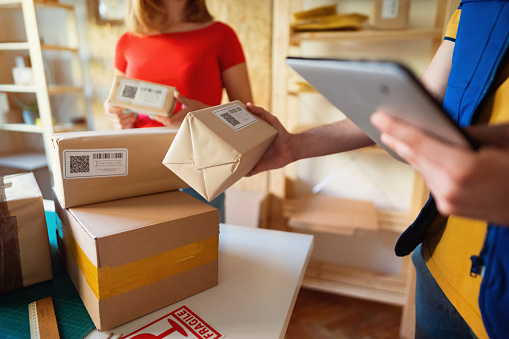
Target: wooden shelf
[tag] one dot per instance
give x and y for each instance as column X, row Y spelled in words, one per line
column 20, row 127
column 55, row 89
column 13, row 46
column 38, row 4
column 366, row 35
column 17, row 46
column 59, row 48
column 25, row 161
column 17, row 88
column 58, row 128
column 53, row 4
column 369, row 285
column 58, row 89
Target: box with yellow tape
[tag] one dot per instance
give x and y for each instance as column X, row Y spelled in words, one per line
column 130, row 257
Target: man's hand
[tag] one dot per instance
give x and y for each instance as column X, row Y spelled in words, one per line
column 280, row 152
column 464, row 182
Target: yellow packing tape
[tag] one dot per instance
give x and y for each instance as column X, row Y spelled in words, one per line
column 107, row 282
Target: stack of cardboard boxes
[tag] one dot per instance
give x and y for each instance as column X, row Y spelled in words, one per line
column 130, row 240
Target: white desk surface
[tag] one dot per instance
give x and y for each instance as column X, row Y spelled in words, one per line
column 260, row 274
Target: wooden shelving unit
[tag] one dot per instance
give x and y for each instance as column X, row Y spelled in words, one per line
column 35, row 49
column 366, row 35
column 387, row 288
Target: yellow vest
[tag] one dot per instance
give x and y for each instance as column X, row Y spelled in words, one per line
column 447, row 250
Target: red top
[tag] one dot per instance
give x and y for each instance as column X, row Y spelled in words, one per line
column 191, row 61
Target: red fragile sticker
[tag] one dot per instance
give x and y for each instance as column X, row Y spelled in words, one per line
column 181, row 323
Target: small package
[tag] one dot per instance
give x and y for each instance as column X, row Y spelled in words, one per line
column 217, row 146
column 130, row 257
column 142, row 96
column 390, row 14
column 97, row 166
column 25, row 257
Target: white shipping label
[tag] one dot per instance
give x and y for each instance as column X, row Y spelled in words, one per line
column 95, row 163
column 390, row 9
column 235, row 116
column 143, row 94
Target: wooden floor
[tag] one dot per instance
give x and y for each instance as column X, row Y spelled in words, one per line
column 319, row 315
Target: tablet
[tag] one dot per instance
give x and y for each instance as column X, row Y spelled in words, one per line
column 360, row 88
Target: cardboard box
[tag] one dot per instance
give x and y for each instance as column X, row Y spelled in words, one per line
column 217, row 146
column 97, row 166
column 25, row 257
column 390, row 14
column 142, row 96
column 130, row 257
column 29, row 162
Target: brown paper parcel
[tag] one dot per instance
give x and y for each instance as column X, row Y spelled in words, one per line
column 142, row 96
column 217, row 146
column 97, row 166
column 24, row 246
column 130, row 257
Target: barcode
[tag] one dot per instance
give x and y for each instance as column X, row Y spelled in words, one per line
column 150, row 90
column 229, row 118
column 129, row 91
column 79, row 163
column 100, row 156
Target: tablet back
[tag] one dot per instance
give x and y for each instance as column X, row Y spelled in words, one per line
column 359, row 88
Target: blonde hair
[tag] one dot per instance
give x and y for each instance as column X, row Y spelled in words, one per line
column 146, row 16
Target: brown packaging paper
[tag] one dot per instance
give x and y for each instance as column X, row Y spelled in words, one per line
column 217, row 146
column 142, row 96
column 24, row 245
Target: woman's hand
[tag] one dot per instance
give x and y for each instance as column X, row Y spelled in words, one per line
column 117, row 116
column 176, row 119
column 464, row 182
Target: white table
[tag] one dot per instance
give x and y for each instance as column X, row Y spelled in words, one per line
column 260, row 274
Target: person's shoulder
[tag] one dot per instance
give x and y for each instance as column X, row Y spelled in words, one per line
column 126, row 37
column 221, row 26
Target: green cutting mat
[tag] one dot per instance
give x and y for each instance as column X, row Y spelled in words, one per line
column 72, row 317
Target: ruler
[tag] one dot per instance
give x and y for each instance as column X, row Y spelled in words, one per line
column 43, row 322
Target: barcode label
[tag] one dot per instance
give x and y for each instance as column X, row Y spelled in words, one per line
column 94, row 163
column 79, row 163
column 129, row 92
column 235, row 116
column 141, row 93
column 99, row 156
column 390, row 9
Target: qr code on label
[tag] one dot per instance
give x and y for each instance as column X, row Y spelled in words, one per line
column 230, row 119
column 79, row 164
column 129, row 91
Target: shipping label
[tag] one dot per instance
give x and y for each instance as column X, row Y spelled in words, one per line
column 390, row 9
column 95, row 163
column 181, row 323
column 142, row 94
column 235, row 116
